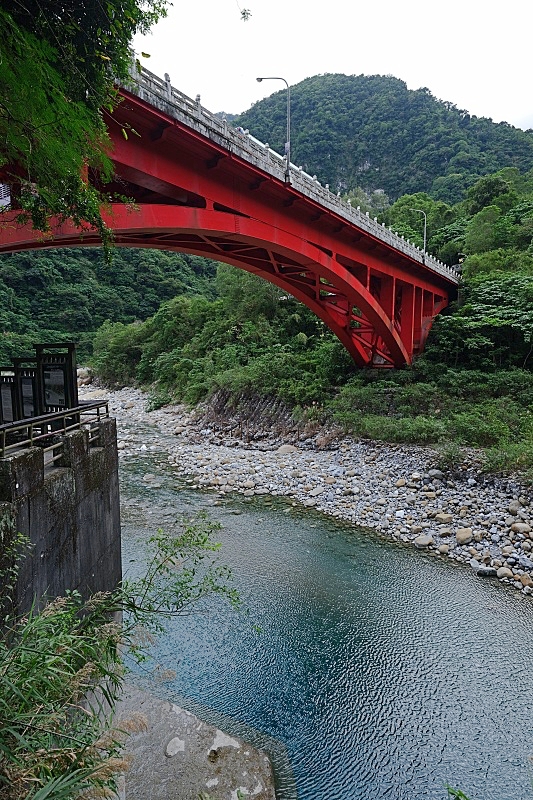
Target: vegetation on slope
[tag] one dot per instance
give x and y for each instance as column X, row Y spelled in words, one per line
column 251, row 337
column 473, row 386
column 61, row 295
column 373, row 132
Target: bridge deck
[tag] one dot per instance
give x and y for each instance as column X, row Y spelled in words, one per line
column 200, row 186
column 162, row 95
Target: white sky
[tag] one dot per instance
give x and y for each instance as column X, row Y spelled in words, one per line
column 476, row 54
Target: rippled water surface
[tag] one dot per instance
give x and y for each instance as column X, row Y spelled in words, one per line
column 377, row 672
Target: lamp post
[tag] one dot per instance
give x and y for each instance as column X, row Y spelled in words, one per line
column 419, row 211
column 288, row 142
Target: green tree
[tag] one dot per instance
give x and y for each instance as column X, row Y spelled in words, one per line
column 58, row 67
column 405, row 218
column 480, row 232
column 485, row 191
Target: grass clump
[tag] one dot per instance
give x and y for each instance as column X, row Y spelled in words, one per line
column 449, row 408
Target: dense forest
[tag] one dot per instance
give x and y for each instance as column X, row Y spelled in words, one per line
column 373, row 132
column 187, row 327
column 59, row 295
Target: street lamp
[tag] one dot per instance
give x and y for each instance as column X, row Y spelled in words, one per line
column 419, row 211
column 288, row 142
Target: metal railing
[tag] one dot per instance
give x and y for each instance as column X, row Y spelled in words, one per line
column 46, row 431
column 159, row 93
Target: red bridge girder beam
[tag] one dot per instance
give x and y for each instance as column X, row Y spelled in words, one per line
column 377, row 331
column 194, row 195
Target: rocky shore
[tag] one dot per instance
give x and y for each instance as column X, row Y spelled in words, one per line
column 483, row 521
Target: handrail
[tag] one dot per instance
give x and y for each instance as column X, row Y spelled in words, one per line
column 159, row 93
column 37, row 431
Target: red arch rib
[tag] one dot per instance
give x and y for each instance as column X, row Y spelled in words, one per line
column 297, row 266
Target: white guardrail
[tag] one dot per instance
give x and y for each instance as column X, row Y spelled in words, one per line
column 161, row 94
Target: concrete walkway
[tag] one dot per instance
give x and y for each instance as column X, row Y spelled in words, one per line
column 179, row 757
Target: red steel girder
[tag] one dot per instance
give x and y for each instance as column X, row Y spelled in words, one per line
column 318, row 280
column 194, row 196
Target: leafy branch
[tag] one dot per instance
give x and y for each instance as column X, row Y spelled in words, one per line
column 62, row 671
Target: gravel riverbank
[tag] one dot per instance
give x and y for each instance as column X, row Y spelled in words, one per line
column 483, row 521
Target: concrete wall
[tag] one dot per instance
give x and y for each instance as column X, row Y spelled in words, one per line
column 70, row 513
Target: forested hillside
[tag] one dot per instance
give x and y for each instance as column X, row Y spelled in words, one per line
column 371, row 131
column 58, row 295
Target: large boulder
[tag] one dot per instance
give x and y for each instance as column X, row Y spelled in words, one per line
column 504, row 572
column 423, row 541
column 521, row 527
column 464, row 535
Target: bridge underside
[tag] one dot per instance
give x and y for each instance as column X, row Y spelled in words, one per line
column 193, row 196
column 381, row 320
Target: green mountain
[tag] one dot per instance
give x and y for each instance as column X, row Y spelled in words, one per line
column 373, row 132
column 66, row 294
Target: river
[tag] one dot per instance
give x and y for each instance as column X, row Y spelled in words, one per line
column 376, row 672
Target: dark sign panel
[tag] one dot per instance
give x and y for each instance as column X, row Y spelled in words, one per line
column 6, row 402
column 28, row 399
column 54, row 387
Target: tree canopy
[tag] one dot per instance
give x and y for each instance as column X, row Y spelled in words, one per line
column 58, row 68
column 370, row 131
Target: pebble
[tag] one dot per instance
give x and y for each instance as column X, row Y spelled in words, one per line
column 394, row 489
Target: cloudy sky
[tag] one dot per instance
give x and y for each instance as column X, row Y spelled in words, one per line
column 473, row 53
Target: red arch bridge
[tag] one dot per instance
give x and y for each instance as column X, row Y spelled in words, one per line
column 204, row 188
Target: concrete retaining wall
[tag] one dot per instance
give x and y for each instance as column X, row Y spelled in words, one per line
column 70, row 513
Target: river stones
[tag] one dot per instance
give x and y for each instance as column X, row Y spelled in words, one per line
column 464, row 535
column 396, row 489
column 483, row 570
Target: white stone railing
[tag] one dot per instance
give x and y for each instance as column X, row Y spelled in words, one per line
column 5, row 195
column 160, row 93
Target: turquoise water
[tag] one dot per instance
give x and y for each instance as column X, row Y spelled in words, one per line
column 378, row 672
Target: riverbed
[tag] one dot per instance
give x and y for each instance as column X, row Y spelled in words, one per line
column 377, row 671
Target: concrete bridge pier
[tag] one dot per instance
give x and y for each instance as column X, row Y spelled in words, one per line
column 69, row 513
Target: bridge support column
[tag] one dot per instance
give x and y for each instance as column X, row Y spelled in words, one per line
column 407, row 311
column 417, row 326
